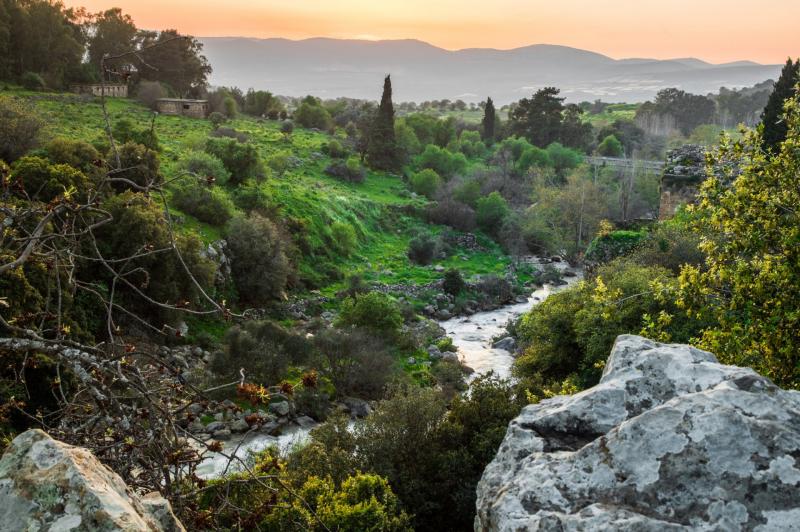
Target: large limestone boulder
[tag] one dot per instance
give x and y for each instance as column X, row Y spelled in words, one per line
column 49, row 485
column 668, row 440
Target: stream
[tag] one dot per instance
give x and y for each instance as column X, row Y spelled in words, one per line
column 472, row 335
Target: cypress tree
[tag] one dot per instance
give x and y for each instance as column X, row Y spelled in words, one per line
column 382, row 148
column 775, row 127
column 488, row 121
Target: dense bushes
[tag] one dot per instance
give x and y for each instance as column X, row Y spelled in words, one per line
column 422, row 249
column 490, row 212
column 311, row 114
column 350, row 170
column 357, row 362
column 139, row 167
column 240, row 159
column 442, row 161
column 570, row 334
column 263, row 348
column 453, row 213
column 75, row 153
column 259, row 265
column 204, row 166
column 344, row 238
column 426, row 183
column 206, row 203
column 19, row 128
column 373, row 311
column 43, row 181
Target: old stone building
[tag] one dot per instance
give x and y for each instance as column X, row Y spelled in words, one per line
column 179, row 106
column 115, row 90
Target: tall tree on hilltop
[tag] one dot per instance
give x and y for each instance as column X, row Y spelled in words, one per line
column 489, row 115
column 113, row 34
column 382, row 148
column 538, row 118
column 775, row 127
column 176, row 61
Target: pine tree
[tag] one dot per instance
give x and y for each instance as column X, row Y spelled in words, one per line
column 488, row 121
column 774, row 126
column 382, row 148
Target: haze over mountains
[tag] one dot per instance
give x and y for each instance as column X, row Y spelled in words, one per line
column 420, row 71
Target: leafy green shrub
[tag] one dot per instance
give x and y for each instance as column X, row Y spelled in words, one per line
column 43, row 181
column 491, row 211
column 125, row 131
column 32, row 81
column 250, row 196
column 670, row 244
column 217, row 119
column 240, row 159
column 606, row 247
column 453, row 282
column 313, row 115
column 350, row 171
column 204, row 166
column 335, row 149
column 19, row 128
column 287, row 127
column 453, row 213
column 344, row 238
column 610, row 147
column 373, row 311
column 75, row 153
column 208, row 204
column 426, row 182
column 468, row 192
column 443, row 162
column 562, row 158
column 263, row 348
column 259, row 265
column 229, row 133
column 358, row 363
column 279, row 162
column 533, row 156
column 139, row 165
column 422, row 249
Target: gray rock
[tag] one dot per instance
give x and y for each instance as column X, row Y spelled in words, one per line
column 411, row 361
column 281, row 408
column 443, row 315
column 506, row 344
column 305, row 422
column 196, row 426
column 358, row 408
column 240, row 425
column 49, row 485
column 215, row 426
column 449, row 356
column 438, row 268
column 195, row 408
column 669, row 439
column 434, row 352
column 222, row 434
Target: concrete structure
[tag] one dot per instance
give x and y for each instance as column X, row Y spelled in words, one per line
column 178, row 106
column 684, row 172
column 115, row 90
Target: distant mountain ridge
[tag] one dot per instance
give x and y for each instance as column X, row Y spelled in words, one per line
column 331, row 68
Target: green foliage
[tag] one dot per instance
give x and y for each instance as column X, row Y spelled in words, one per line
column 204, row 166
column 311, row 114
column 363, row 503
column 32, row 81
column 488, row 122
column 606, row 247
column 570, row 334
column 19, row 128
column 442, row 161
column 263, row 348
column 177, row 61
column 75, row 153
column 240, row 159
column 775, row 127
column 562, row 158
column 335, row 149
column 610, row 147
column 426, row 182
column 453, row 282
column 208, row 204
column 382, row 151
column 125, row 130
column 43, row 181
column 350, row 170
column 408, row 144
column 357, row 362
column 230, row 106
column 344, row 238
column 422, row 249
column 749, row 289
column 468, row 192
column 491, row 211
column 374, row 311
column 532, row 157
column 139, row 165
column 217, row 119
column 259, row 265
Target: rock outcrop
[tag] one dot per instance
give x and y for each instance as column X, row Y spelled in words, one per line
column 668, row 440
column 49, row 485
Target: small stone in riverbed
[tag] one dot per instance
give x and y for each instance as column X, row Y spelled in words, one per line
column 223, row 434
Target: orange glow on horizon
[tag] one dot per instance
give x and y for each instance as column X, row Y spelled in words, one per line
column 713, row 30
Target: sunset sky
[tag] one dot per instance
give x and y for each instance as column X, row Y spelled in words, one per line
column 766, row 31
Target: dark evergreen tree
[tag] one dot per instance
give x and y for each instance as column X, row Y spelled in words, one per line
column 538, row 118
column 774, row 126
column 489, row 116
column 382, row 148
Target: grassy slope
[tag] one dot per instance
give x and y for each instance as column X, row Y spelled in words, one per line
column 376, row 208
